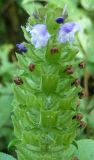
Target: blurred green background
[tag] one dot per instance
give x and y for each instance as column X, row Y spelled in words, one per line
column 13, row 15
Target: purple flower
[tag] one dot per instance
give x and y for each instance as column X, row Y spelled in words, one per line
column 39, row 35
column 21, row 47
column 67, row 32
column 60, row 20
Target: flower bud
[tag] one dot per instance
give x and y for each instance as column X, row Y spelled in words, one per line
column 81, row 94
column 82, row 124
column 69, row 69
column 82, row 65
column 21, row 47
column 18, row 81
column 79, row 116
column 60, row 20
column 76, row 82
column 31, row 67
column 75, row 158
column 54, row 50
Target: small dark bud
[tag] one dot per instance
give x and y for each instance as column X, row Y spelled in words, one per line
column 54, row 50
column 31, row 67
column 21, row 47
column 79, row 116
column 82, row 65
column 75, row 158
column 82, row 124
column 76, row 82
column 18, row 81
column 81, row 94
column 69, row 69
column 60, row 20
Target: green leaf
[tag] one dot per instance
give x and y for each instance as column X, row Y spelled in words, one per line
column 48, row 118
column 13, row 142
column 91, row 118
column 75, row 144
column 49, row 83
column 26, row 34
column 19, row 94
column 71, row 5
column 4, row 156
column 30, row 6
column 88, row 4
column 86, row 149
column 59, row 3
column 5, row 109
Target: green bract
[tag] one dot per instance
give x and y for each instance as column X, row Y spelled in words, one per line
column 46, row 99
column 4, row 156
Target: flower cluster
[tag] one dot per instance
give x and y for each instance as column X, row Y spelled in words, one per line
column 40, row 35
column 67, row 32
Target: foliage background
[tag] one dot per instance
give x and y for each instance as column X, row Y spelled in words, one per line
column 12, row 15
